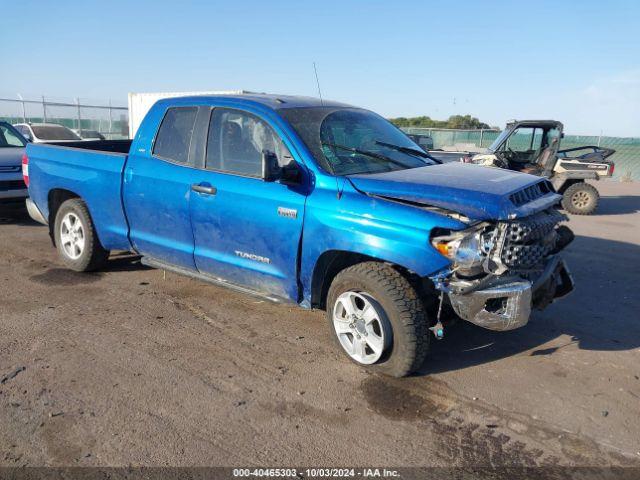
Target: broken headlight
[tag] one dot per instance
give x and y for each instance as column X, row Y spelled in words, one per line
column 467, row 249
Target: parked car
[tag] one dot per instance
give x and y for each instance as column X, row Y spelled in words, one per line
column 12, row 143
column 89, row 134
column 313, row 203
column 533, row 146
column 46, row 132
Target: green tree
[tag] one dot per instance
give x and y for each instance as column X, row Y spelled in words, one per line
column 454, row 121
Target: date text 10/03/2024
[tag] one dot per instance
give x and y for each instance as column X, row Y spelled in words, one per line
column 316, row 472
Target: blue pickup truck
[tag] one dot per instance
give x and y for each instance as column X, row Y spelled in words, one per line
column 315, row 203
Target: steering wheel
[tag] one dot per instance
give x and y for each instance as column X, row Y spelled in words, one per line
column 511, row 155
column 504, row 158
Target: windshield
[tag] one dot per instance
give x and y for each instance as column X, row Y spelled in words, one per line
column 54, row 132
column 9, row 137
column 496, row 143
column 349, row 141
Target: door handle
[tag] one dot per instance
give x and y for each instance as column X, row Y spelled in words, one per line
column 206, row 189
column 128, row 174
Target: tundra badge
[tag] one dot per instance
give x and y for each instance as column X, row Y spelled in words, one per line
column 287, row 212
column 252, row 256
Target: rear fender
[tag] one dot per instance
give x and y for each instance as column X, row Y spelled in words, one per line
column 56, row 198
column 93, row 176
column 562, row 181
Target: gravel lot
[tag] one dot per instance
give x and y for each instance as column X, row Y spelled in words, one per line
column 134, row 367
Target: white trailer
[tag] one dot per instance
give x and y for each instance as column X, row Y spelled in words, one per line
column 140, row 103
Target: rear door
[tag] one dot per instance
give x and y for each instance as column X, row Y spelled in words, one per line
column 157, row 189
column 246, row 230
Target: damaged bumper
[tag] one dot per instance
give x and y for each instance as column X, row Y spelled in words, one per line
column 507, row 303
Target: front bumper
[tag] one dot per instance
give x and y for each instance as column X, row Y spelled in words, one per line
column 507, row 304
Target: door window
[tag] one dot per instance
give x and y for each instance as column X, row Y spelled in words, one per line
column 525, row 139
column 236, row 141
column 174, row 136
column 8, row 138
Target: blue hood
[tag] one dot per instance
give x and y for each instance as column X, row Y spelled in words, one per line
column 480, row 193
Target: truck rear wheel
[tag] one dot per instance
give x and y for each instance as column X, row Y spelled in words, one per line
column 378, row 319
column 580, row 199
column 76, row 238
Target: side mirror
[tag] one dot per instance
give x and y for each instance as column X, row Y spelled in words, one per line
column 270, row 168
column 290, row 174
column 27, row 137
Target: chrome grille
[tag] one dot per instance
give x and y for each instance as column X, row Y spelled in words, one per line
column 529, row 240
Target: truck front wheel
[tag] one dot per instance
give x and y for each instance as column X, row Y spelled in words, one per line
column 76, row 238
column 378, row 319
column 580, row 199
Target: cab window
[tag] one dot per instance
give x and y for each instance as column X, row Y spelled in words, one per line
column 236, row 140
column 525, row 139
column 174, row 135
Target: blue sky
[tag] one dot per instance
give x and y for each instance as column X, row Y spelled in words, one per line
column 578, row 62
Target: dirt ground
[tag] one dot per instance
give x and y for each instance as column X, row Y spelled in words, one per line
column 134, row 367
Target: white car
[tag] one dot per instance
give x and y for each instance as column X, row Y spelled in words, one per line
column 46, row 132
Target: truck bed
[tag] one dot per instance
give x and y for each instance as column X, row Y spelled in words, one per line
column 113, row 146
column 91, row 170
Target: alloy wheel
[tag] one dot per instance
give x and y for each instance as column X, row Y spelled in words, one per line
column 72, row 236
column 361, row 326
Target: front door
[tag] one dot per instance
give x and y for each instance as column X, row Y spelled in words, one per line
column 246, row 230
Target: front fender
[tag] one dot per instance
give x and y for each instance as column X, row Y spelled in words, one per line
column 374, row 227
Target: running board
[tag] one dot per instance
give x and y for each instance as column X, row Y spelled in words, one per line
column 153, row 263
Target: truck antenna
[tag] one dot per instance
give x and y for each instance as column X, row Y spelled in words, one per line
column 315, row 70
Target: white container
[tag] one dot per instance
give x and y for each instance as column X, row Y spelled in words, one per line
column 140, row 103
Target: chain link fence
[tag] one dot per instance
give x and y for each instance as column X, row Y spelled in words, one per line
column 626, row 158
column 111, row 121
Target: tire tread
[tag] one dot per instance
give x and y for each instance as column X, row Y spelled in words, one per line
column 409, row 309
column 566, row 198
column 98, row 255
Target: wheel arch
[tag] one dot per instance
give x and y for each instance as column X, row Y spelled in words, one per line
column 55, row 199
column 567, row 183
column 332, row 262
column 563, row 181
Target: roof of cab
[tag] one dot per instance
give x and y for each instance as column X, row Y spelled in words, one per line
column 271, row 100
column 534, row 123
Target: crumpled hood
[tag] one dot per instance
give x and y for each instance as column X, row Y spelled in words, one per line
column 10, row 156
column 480, row 193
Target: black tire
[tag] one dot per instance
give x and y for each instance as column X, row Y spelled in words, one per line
column 580, row 199
column 92, row 256
column 402, row 308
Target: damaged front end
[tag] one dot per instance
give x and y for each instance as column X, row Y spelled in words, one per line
column 501, row 270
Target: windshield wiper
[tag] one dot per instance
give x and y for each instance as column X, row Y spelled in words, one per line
column 409, row 151
column 367, row 153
